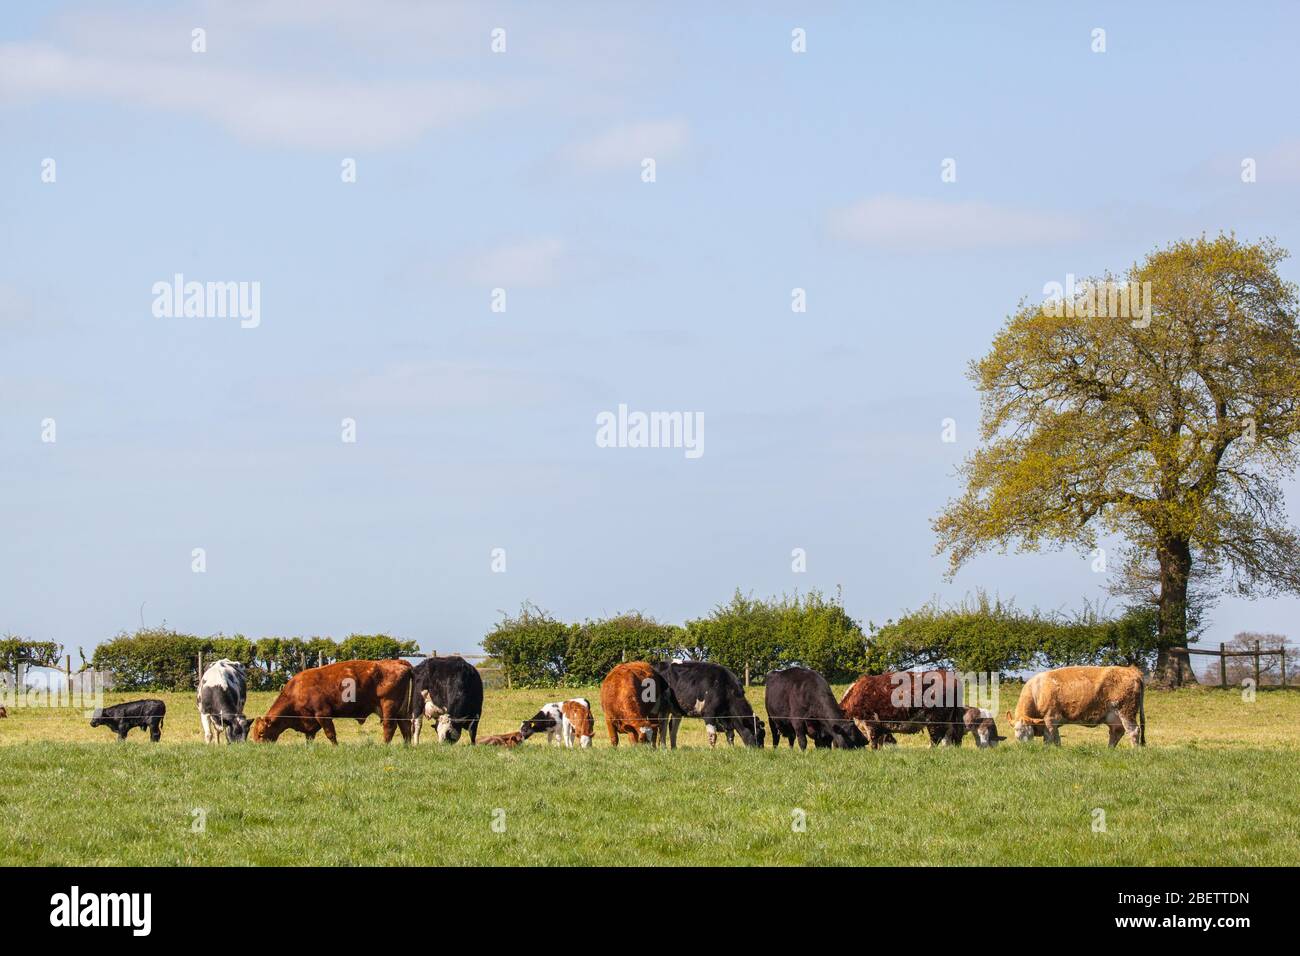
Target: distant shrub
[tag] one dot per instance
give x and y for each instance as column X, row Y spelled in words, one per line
column 809, row 631
column 530, row 648
column 159, row 659
column 989, row 635
column 595, row 647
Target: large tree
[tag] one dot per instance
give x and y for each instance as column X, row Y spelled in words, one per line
column 1170, row 426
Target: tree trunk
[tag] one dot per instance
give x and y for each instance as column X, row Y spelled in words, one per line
column 1173, row 669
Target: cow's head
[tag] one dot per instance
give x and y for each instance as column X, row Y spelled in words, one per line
column 752, row 730
column 981, row 724
column 237, row 728
column 539, row 723
column 1025, row 729
column 97, row 718
column 448, row 732
column 846, row 736
column 264, row 731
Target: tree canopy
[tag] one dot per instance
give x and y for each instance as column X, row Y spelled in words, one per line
column 1170, row 426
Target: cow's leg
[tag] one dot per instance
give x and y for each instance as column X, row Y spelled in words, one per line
column 417, row 723
column 327, row 725
column 731, row 736
column 1051, row 733
column 802, row 735
column 1127, row 726
column 155, row 730
column 122, row 732
column 633, row 737
column 612, row 731
column 206, row 721
column 673, row 723
column 388, row 727
column 473, row 732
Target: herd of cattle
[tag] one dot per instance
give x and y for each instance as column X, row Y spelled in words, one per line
column 646, row 703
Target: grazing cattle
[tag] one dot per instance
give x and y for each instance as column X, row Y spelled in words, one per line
column 3, row 712
column 1082, row 695
column 146, row 714
column 909, row 702
column 565, row 720
column 222, row 694
column 313, row 699
column 712, row 693
column 504, row 740
column 449, row 691
column 634, row 698
column 800, row 705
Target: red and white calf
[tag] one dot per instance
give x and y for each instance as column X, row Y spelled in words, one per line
column 567, row 720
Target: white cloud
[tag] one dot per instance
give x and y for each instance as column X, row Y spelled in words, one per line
column 533, row 262
column 907, row 224
column 323, row 113
column 627, row 144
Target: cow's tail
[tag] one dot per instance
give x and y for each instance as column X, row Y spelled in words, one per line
column 1142, row 715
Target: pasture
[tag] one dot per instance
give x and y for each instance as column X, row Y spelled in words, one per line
column 1216, row 785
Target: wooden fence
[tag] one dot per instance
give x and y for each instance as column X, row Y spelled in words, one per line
column 1257, row 653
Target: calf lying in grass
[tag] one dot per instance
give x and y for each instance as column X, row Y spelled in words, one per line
column 503, row 740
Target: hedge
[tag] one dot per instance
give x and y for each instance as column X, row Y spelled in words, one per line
column 984, row 635
column 158, row 659
column 989, row 635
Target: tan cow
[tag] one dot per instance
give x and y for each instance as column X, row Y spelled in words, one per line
column 1082, row 695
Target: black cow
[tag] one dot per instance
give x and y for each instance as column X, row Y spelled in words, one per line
column 146, row 714
column 222, row 694
column 448, row 690
column 712, row 693
column 800, row 705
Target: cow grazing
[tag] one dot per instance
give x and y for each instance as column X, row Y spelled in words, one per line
column 1082, row 695
column 3, row 712
column 800, row 705
column 634, row 698
column 712, row 693
column 146, row 714
column 503, row 740
column 223, row 692
column 313, row 699
column 568, row 721
column 909, row 702
column 449, row 691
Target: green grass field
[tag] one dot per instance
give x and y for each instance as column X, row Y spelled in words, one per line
column 1217, row 784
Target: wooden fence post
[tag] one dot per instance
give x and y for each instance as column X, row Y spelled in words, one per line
column 1223, row 665
column 67, row 669
column 1282, row 652
column 1257, row 665
column 746, row 673
column 199, row 679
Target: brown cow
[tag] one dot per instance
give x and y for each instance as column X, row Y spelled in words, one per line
column 909, row 702
column 635, row 700
column 3, row 712
column 313, row 698
column 1082, row 695
column 503, row 740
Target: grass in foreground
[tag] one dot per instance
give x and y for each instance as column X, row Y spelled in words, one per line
column 1217, row 785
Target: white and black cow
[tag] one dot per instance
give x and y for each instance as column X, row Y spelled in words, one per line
column 223, row 692
column 568, row 721
column 449, row 691
column 712, row 693
column 146, row 714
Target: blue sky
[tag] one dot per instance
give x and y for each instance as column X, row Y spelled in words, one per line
column 522, row 170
